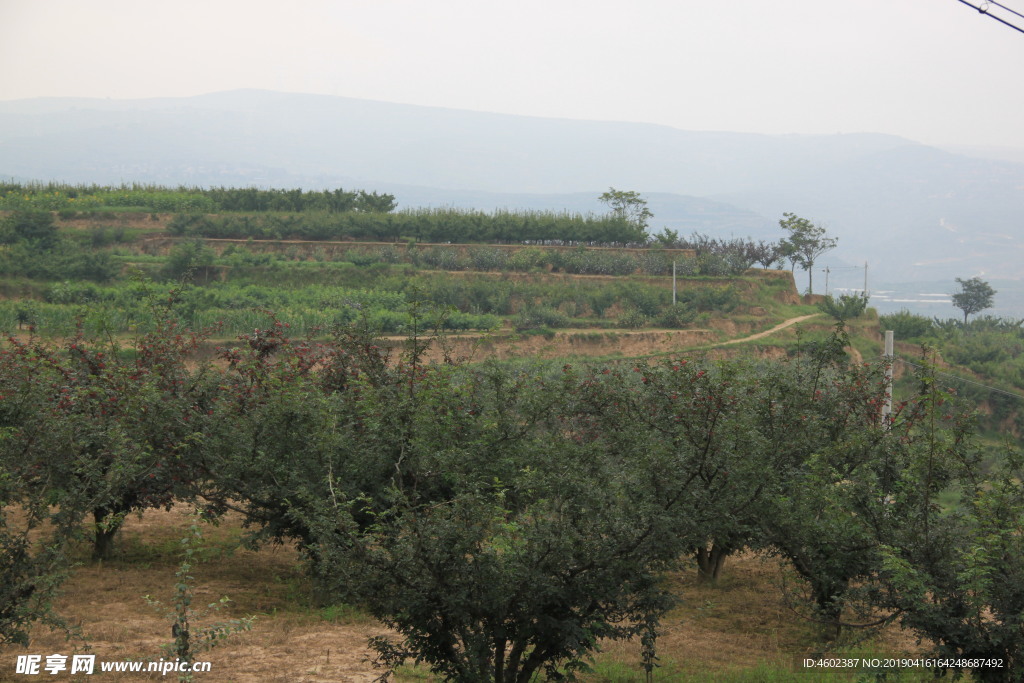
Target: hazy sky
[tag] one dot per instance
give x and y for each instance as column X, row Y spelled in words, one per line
column 935, row 71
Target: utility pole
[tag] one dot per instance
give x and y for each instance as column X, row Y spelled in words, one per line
column 865, row 278
column 673, row 283
column 826, row 280
column 888, row 359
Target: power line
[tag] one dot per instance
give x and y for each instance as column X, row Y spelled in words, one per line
column 962, row 379
column 984, row 10
column 1011, row 11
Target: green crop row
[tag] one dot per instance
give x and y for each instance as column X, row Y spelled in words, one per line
column 474, row 303
column 132, row 308
column 577, row 261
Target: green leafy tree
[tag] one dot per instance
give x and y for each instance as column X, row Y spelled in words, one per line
column 667, row 238
column 298, row 427
column 844, row 308
column 766, row 253
column 806, row 242
column 630, row 206
column 494, row 517
column 954, row 573
column 186, row 257
column 858, row 513
column 37, row 228
column 975, row 295
column 906, row 325
column 552, row 533
column 956, row 580
column 34, row 536
column 701, row 415
column 127, row 426
column 374, row 202
column 826, row 510
column 276, row 445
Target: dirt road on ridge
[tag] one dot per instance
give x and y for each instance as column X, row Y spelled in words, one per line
column 781, row 326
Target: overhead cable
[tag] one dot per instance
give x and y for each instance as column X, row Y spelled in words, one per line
column 962, row 379
column 983, row 8
column 1011, row 11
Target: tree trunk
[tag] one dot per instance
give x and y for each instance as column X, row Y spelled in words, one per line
column 710, row 562
column 105, row 529
column 499, row 660
column 830, row 609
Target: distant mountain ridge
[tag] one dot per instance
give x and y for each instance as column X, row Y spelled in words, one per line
column 915, row 212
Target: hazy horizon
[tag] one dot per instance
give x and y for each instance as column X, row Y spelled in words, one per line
column 933, row 72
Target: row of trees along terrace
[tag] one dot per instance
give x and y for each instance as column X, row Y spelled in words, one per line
column 358, row 214
column 503, row 519
column 74, row 198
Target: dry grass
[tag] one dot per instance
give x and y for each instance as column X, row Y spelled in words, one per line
column 289, row 641
column 739, row 624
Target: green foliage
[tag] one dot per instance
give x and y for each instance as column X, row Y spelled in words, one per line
column 504, row 518
column 39, row 515
column 33, row 540
column 583, row 261
column 710, row 298
column 239, row 308
column 954, row 575
column 906, row 325
column 538, row 317
column 89, row 421
column 629, row 206
column 422, row 225
column 848, row 306
column 26, row 314
column 538, row 564
column 805, row 243
column 153, row 198
column 633, row 319
column 975, row 295
column 822, row 422
column 236, row 306
column 30, row 576
column 994, row 349
column 186, row 257
column 36, row 250
column 667, row 238
column 36, row 228
column 676, row 317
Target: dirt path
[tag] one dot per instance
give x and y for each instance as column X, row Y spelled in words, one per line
column 781, row 326
column 626, row 343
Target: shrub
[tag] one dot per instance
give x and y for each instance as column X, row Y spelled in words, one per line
column 633, row 319
column 186, row 257
column 906, row 325
column 655, row 262
column 846, row 307
column 530, row 258
column 189, row 224
column 711, row 298
column 489, row 259
column 36, row 228
column 676, row 317
column 541, row 316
